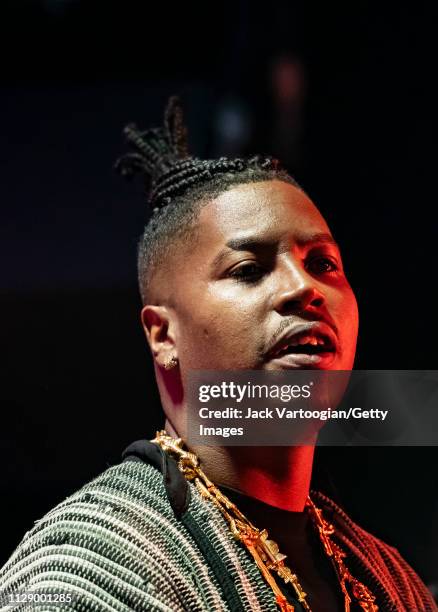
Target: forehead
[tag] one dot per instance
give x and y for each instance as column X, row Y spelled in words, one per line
column 270, row 209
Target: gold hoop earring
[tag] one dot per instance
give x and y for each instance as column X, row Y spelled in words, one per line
column 171, row 363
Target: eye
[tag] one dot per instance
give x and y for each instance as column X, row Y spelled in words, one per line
column 322, row 265
column 248, row 273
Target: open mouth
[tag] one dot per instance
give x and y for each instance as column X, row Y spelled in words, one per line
column 304, row 344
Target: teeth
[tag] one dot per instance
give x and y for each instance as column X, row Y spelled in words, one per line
column 308, row 340
column 312, row 340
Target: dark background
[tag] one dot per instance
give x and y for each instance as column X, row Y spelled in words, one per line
column 343, row 94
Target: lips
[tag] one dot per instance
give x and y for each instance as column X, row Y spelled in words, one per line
column 305, row 344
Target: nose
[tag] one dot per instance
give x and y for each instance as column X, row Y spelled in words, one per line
column 297, row 290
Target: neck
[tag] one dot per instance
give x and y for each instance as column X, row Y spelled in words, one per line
column 276, row 475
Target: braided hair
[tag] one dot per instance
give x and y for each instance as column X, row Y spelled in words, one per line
column 178, row 184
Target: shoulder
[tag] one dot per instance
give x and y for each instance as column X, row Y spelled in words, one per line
column 108, row 543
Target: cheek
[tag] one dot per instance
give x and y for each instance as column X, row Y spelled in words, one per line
column 347, row 319
column 342, row 305
column 352, row 313
column 221, row 329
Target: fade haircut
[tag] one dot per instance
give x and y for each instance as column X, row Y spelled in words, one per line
column 177, row 185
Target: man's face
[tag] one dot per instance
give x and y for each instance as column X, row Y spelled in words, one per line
column 263, row 286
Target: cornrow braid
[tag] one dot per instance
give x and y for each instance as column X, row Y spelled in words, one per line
column 177, row 184
column 158, row 149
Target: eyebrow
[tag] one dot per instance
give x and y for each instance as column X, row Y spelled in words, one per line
column 323, row 237
column 254, row 243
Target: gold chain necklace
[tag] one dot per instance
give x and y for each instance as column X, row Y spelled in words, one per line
column 265, row 551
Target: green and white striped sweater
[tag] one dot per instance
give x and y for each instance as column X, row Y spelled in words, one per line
column 138, row 537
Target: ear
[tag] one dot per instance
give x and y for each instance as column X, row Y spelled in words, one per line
column 159, row 327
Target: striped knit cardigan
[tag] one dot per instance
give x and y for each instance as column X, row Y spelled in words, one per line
column 140, row 538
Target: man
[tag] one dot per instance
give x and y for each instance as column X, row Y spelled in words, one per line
column 236, row 264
